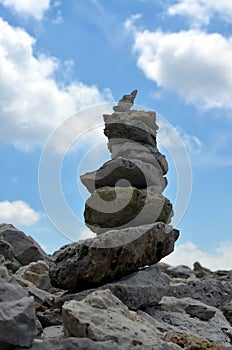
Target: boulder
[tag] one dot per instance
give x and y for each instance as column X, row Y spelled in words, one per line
column 146, row 286
column 102, row 316
column 118, row 207
column 114, row 173
column 25, row 248
column 111, row 255
column 17, row 314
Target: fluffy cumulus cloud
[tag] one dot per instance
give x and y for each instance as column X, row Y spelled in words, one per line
column 201, row 11
column 18, row 213
column 195, row 64
column 188, row 253
column 34, row 8
column 32, row 102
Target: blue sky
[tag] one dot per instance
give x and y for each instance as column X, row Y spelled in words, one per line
column 60, row 57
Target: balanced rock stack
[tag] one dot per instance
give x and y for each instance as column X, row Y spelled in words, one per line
column 127, row 190
column 126, row 208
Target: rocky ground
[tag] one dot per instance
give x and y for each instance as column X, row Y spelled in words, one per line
column 158, row 307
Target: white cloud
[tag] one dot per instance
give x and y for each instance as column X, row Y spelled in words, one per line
column 32, row 102
column 201, row 11
column 188, row 253
column 194, row 64
column 86, row 233
column 18, row 213
column 34, row 8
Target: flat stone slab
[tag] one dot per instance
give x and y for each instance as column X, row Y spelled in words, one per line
column 111, row 255
column 118, row 207
column 134, row 150
column 134, row 173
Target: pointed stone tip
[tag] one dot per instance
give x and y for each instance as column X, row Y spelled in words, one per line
column 126, row 102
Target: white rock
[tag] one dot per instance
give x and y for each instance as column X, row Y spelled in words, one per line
column 102, row 316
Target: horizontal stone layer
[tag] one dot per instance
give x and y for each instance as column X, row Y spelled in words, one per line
column 116, row 253
column 130, row 132
column 136, row 173
column 134, row 150
column 117, row 207
column 143, row 120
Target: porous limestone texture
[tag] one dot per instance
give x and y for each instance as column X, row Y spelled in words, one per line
column 111, row 255
column 103, row 316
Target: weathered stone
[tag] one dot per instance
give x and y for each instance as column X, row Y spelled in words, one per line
column 126, row 102
column 48, row 317
column 25, row 248
column 180, row 271
column 172, row 314
column 126, row 132
column 136, row 173
column 93, row 262
column 144, row 287
column 102, row 316
column 134, row 150
column 72, row 343
column 52, row 332
column 39, row 295
column 146, row 121
column 188, row 341
column 38, row 274
column 209, row 291
column 118, row 207
column 17, row 314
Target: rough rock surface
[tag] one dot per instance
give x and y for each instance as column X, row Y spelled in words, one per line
column 189, row 320
column 36, row 273
column 103, row 316
column 117, row 207
column 138, row 174
column 17, row 314
column 25, row 248
column 111, row 255
column 182, row 315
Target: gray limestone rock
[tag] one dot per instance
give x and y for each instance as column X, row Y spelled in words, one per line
column 72, row 343
column 17, row 314
column 102, row 316
column 146, row 121
column 209, row 291
column 38, row 274
column 119, row 131
column 114, row 173
column 25, row 248
column 126, row 102
column 180, row 271
column 134, row 150
column 145, row 286
column 189, row 316
column 39, row 295
column 111, row 255
column 118, row 207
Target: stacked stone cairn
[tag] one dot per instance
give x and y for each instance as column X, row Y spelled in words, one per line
column 126, row 208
